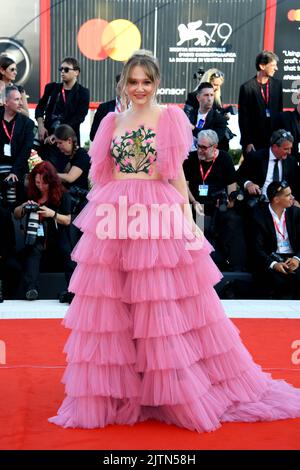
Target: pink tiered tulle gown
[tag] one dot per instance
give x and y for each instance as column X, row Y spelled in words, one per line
column 149, row 335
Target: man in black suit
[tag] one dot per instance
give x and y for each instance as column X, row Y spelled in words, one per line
column 66, row 102
column 290, row 120
column 260, row 168
column 205, row 117
column 276, row 242
column 260, row 100
column 16, row 140
column 105, row 108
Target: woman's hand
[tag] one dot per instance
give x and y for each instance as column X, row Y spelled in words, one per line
column 46, row 212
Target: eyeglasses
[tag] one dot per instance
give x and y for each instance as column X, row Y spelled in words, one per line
column 204, row 147
column 218, row 75
column 65, row 69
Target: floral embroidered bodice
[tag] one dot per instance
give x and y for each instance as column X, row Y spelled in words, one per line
column 134, row 152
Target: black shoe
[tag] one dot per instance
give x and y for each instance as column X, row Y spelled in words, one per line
column 66, row 297
column 32, row 294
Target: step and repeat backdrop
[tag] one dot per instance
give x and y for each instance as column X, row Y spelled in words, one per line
column 187, row 36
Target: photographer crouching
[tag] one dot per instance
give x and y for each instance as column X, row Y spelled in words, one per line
column 47, row 214
column 211, row 177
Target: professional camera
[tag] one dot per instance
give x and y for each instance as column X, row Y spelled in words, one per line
column 222, row 197
column 78, row 197
column 237, row 196
column 33, row 221
column 198, row 74
column 229, row 109
column 31, row 207
column 56, row 120
column 276, row 257
column 10, row 191
column 254, row 200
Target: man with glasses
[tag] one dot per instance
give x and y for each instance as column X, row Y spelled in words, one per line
column 275, row 163
column 66, row 102
column 260, row 100
column 276, row 243
column 211, row 176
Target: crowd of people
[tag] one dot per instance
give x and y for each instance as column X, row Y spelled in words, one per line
column 251, row 227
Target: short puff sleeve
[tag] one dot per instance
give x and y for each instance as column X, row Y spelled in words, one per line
column 174, row 140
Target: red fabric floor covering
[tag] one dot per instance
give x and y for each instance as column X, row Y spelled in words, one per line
column 30, row 392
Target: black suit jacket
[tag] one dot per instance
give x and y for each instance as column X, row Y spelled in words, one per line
column 75, row 110
column 21, row 144
column 290, row 121
column 255, row 167
column 255, row 127
column 102, row 111
column 264, row 234
column 214, row 120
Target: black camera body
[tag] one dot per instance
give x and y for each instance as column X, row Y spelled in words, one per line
column 56, row 120
column 254, row 200
column 9, row 191
column 237, row 196
column 78, row 197
column 31, row 207
column 222, row 197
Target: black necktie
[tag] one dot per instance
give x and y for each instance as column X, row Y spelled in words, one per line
column 276, row 171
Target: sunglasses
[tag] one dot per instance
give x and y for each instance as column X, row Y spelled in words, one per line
column 204, row 147
column 283, row 135
column 218, row 75
column 65, row 69
column 13, row 69
column 283, row 185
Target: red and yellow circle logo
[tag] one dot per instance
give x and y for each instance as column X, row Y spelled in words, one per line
column 98, row 39
column 294, row 15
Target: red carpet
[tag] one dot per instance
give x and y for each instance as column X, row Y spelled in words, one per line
column 30, row 392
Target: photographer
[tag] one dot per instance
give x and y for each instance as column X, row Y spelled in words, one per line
column 276, row 163
column 16, row 140
column 211, row 176
column 62, row 103
column 48, row 215
column 75, row 175
column 276, row 243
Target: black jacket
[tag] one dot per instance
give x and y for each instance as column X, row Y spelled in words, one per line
column 264, row 234
column 255, row 167
column 21, row 145
column 75, row 110
column 255, row 127
column 290, row 121
column 214, row 120
column 102, row 111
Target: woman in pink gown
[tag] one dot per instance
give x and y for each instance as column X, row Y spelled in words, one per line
column 149, row 337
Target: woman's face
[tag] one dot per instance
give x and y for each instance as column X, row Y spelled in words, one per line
column 40, row 184
column 65, row 146
column 10, row 73
column 216, row 83
column 140, row 89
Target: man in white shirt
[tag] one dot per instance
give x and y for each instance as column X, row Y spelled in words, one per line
column 276, row 163
column 276, row 239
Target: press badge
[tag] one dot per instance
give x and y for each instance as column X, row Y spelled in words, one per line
column 268, row 114
column 203, row 189
column 7, row 150
column 40, row 231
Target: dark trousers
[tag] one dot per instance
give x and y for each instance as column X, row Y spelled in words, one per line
column 10, row 275
column 33, row 257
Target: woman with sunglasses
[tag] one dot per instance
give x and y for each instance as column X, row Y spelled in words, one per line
column 8, row 74
column 216, row 79
column 149, row 337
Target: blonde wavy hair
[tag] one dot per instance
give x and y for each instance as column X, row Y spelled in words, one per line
column 148, row 62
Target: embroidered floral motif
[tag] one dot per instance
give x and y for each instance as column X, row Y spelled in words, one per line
column 134, row 151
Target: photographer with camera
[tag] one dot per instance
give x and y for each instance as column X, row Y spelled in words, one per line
column 263, row 167
column 62, row 103
column 16, row 140
column 276, row 243
column 211, row 176
column 48, row 215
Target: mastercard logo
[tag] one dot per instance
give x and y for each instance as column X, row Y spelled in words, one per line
column 294, row 15
column 98, row 39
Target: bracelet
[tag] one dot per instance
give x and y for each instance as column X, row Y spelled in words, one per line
column 55, row 215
